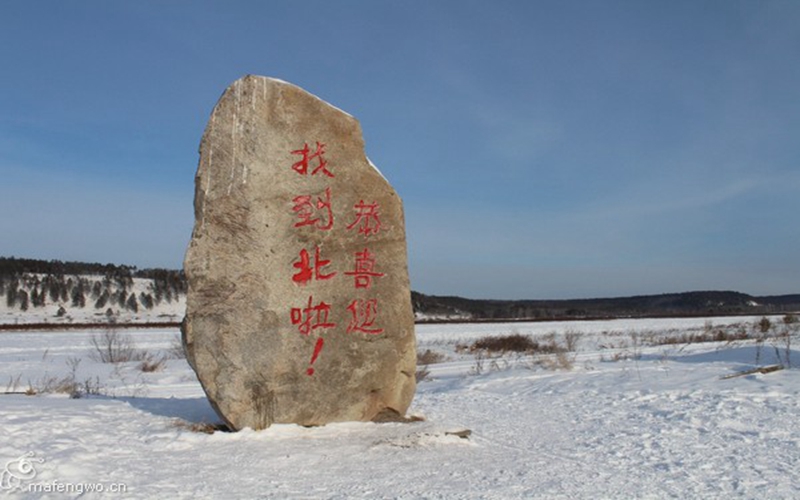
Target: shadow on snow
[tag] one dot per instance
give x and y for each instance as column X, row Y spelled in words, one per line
column 748, row 356
column 194, row 410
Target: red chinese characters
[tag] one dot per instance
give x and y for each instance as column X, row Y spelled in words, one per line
column 364, row 269
column 306, row 272
column 366, row 218
column 317, row 214
column 301, row 167
column 363, row 320
column 311, row 317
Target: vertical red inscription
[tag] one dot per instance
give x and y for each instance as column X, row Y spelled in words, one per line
column 315, row 212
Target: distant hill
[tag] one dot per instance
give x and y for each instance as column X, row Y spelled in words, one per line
column 433, row 308
column 34, row 291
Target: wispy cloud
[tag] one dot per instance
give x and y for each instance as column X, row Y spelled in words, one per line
column 646, row 200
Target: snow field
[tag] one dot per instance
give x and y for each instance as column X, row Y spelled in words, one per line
column 628, row 420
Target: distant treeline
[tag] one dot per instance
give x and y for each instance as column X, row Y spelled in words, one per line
column 26, row 283
column 10, row 266
column 674, row 304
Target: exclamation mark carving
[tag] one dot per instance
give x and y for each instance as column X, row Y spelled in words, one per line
column 317, row 350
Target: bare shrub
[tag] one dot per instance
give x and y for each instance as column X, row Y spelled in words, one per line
column 708, row 335
column 561, row 360
column 422, row 374
column 114, row 346
column 88, row 387
column 73, row 364
column 514, row 342
column 498, row 365
column 65, row 385
column 429, row 357
column 547, row 352
column 13, row 384
column 53, row 384
column 152, row 364
column 782, row 343
column 558, row 361
column 479, row 366
column 620, row 356
column 424, row 359
column 571, row 339
column 763, row 327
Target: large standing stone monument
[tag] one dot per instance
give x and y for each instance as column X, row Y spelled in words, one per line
column 299, row 307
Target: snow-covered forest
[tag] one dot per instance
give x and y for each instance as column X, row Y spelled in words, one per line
column 58, row 291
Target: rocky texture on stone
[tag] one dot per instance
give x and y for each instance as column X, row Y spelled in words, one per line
column 298, row 303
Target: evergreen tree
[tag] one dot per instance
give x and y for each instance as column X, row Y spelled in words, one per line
column 78, row 297
column 54, row 289
column 11, row 296
column 102, row 300
column 146, row 300
column 132, row 303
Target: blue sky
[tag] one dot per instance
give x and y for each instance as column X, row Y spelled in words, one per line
column 543, row 149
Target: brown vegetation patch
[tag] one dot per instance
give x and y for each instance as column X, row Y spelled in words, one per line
column 514, row 342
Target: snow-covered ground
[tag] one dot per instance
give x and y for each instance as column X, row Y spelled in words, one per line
column 621, row 417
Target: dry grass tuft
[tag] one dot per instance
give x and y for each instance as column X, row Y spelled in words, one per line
column 424, row 359
column 429, row 357
column 152, row 364
column 64, row 385
column 514, row 342
column 422, row 374
column 702, row 337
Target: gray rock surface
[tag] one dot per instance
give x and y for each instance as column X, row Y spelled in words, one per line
column 298, row 307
